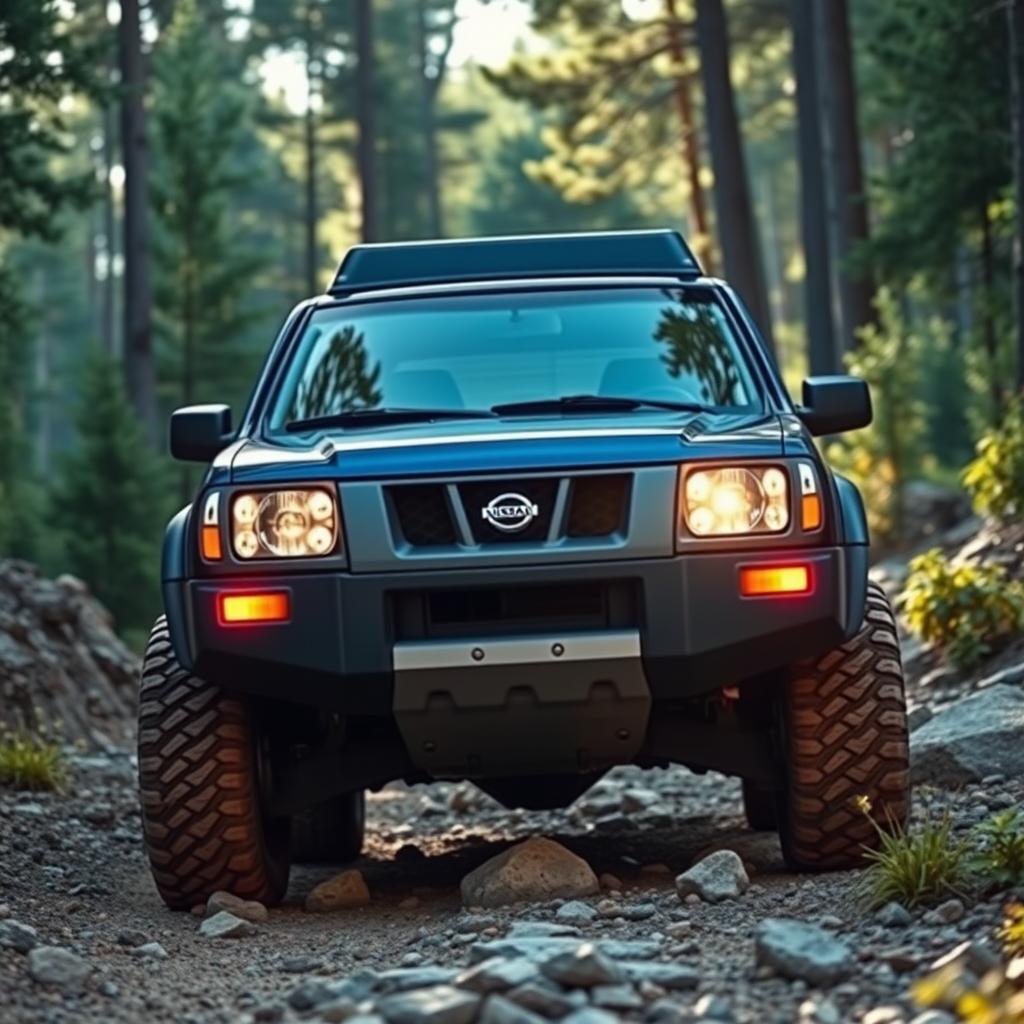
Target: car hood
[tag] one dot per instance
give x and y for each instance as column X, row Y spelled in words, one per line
column 457, row 447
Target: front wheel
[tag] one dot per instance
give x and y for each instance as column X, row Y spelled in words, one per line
column 844, row 732
column 203, row 826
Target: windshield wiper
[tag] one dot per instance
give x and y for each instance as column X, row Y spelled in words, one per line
column 385, row 415
column 591, row 403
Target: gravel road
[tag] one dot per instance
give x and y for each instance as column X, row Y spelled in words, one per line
column 72, row 868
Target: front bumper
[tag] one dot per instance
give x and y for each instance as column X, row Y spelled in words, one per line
column 338, row 651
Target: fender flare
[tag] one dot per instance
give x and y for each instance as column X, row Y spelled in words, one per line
column 173, row 573
column 853, row 520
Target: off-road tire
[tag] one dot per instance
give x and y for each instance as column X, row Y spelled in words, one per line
column 203, row 826
column 759, row 808
column 331, row 832
column 844, row 736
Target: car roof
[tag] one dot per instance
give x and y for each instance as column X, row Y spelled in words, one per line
column 656, row 253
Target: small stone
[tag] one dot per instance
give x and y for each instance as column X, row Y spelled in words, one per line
column 132, row 937
column 337, row 1011
column 671, row 977
column 301, row 964
column 497, row 975
column 591, row 1015
column 575, row 912
column 151, row 950
column 892, row 915
column 537, row 870
column 712, row 1007
column 802, row 951
column 610, row 882
column 546, row 998
column 345, row 890
column 409, row 903
column 934, row 1017
column 616, row 997
column 247, row 910
column 499, row 1010
column 825, row 1012
column 719, row 876
column 609, row 908
column 108, row 989
column 17, row 936
column 584, row 967
column 655, row 869
column 441, row 1004
column 226, row 926
column 269, row 1013
column 639, row 912
column 308, row 995
column 405, row 979
column 51, row 965
column 951, row 911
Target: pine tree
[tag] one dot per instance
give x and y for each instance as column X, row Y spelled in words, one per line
column 109, row 503
column 204, row 275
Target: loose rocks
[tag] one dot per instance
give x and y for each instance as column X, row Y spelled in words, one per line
column 442, row 1004
column 247, row 910
column 226, row 926
column 534, row 871
column 345, row 890
column 719, row 876
column 802, row 951
column 17, row 936
column 51, row 965
column 584, row 967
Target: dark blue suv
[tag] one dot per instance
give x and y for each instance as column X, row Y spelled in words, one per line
column 513, row 510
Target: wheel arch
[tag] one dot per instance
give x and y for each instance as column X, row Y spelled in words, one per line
column 173, row 570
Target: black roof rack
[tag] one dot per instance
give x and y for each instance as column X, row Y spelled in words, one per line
column 658, row 253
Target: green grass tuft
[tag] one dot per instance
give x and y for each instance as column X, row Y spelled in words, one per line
column 916, row 868
column 31, row 761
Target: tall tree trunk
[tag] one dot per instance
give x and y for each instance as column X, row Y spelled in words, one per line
column 737, row 232
column 1015, row 12
column 823, row 357
column 108, row 330
column 988, row 322
column 140, row 372
column 311, row 213
column 428, row 94
column 688, row 132
column 855, row 288
column 366, row 116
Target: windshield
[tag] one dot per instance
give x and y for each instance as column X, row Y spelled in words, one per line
column 475, row 352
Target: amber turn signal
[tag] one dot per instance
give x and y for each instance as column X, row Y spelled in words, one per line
column 768, row 580
column 810, row 512
column 211, row 544
column 273, row 606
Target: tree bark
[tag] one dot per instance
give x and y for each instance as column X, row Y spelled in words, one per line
column 428, row 93
column 108, row 333
column 311, row 213
column 1015, row 13
column 737, row 231
column 366, row 116
column 823, row 357
column 856, row 289
column 988, row 322
column 688, row 133
column 140, row 372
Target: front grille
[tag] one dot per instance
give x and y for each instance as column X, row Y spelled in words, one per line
column 424, row 515
column 428, row 515
column 598, row 505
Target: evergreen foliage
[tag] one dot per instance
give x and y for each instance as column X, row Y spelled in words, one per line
column 111, row 499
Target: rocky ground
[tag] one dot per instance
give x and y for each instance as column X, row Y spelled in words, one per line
column 84, row 937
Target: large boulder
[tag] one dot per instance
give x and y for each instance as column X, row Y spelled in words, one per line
column 718, row 876
column 61, row 661
column 978, row 736
column 531, row 872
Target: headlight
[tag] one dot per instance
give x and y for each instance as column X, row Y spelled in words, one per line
column 735, row 500
column 284, row 524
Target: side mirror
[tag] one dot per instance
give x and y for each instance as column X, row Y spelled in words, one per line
column 832, row 405
column 199, row 432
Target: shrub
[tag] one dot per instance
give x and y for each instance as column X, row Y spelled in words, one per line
column 1000, row 858
column 964, row 610
column 31, row 760
column 1012, row 931
column 995, row 479
column 915, row 868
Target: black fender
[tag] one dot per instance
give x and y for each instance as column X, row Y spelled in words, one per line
column 174, row 562
column 853, row 534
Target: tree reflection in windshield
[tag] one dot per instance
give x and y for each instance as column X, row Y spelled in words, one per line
column 341, row 381
column 697, row 345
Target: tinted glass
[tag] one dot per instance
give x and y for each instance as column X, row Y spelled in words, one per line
column 475, row 352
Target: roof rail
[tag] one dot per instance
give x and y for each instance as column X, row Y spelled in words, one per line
column 661, row 253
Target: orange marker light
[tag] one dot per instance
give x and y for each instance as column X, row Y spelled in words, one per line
column 768, row 580
column 210, row 542
column 240, row 608
column 810, row 512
